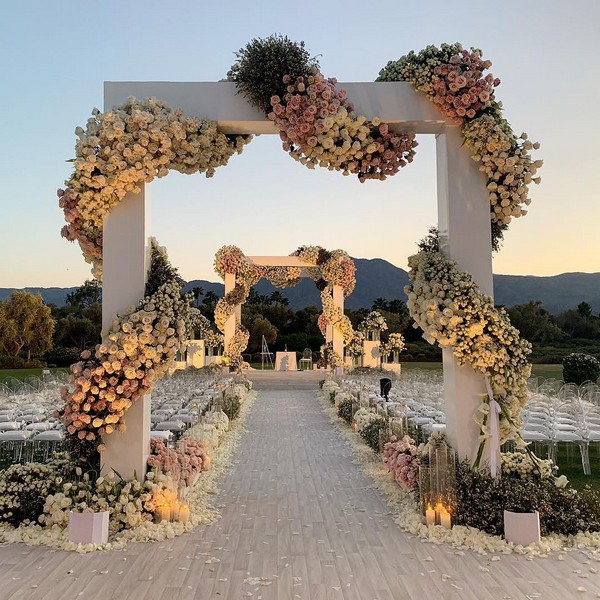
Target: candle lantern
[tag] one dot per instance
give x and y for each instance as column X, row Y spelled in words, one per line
column 437, row 483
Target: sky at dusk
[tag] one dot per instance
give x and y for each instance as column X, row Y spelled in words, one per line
column 56, row 56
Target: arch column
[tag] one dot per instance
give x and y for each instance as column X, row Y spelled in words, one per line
column 236, row 318
column 126, row 258
column 333, row 333
column 465, row 236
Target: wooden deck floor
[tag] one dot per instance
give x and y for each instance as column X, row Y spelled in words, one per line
column 300, row 521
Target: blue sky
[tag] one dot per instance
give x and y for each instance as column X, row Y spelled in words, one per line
column 56, row 56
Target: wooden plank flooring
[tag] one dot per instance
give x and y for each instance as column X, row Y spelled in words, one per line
column 300, row 521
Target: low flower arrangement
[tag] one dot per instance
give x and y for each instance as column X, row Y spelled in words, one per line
column 184, row 462
column 568, row 518
column 401, row 458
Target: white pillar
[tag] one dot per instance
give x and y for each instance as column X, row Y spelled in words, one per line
column 336, row 335
column 465, row 236
column 236, row 316
column 125, row 264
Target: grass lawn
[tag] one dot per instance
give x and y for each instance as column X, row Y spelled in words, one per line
column 548, row 371
column 25, row 373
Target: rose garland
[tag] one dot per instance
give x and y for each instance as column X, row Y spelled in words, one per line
column 130, row 145
column 452, row 312
column 139, row 348
column 316, row 122
column 453, row 78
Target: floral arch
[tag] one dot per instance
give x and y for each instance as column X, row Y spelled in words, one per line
column 333, row 272
column 484, row 170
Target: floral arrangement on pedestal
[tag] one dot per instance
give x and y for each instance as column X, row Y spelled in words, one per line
column 184, row 462
column 374, row 321
column 394, row 345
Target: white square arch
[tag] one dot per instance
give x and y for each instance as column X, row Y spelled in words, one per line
column 463, row 222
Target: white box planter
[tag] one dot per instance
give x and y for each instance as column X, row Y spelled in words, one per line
column 88, row 528
column 522, row 529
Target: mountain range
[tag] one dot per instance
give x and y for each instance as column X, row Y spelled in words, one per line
column 377, row 278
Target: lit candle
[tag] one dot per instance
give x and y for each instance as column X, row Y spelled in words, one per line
column 445, row 519
column 430, row 516
column 355, row 427
column 174, row 510
column 163, row 513
column 184, row 513
column 438, row 511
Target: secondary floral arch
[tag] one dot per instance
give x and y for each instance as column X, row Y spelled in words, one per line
column 328, row 269
column 130, row 145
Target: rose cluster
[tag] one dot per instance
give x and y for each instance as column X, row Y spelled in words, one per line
column 401, row 459
column 183, row 462
column 318, row 127
column 452, row 312
column 124, row 148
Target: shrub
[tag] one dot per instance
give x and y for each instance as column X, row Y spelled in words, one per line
column 231, row 406
column 578, row 368
column 24, row 488
column 562, row 510
column 62, row 357
column 261, row 65
column 345, row 410
column 371, row 432
column 16, row 362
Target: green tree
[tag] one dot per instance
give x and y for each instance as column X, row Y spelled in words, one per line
column 197, row 291
column 86, row 295
column 78, row 332
column 534, row 322
column 258, row 327
column 27, row 324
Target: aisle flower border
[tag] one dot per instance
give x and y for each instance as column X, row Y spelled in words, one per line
column 331, row 268
column 406, row 511
column 204, row 493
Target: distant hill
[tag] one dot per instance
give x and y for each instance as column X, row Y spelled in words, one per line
column 377, row 278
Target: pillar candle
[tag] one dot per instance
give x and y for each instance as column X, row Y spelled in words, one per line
column 174, row 510
column 163, row 513
column 184, row 513
column 445, row 519
column 438, row 512
column 430, row 516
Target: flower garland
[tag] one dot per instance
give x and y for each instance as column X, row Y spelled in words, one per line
column 318, row 127
column 121, row 149
column 453, row 79
column 139, row 348
column 452, row 312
